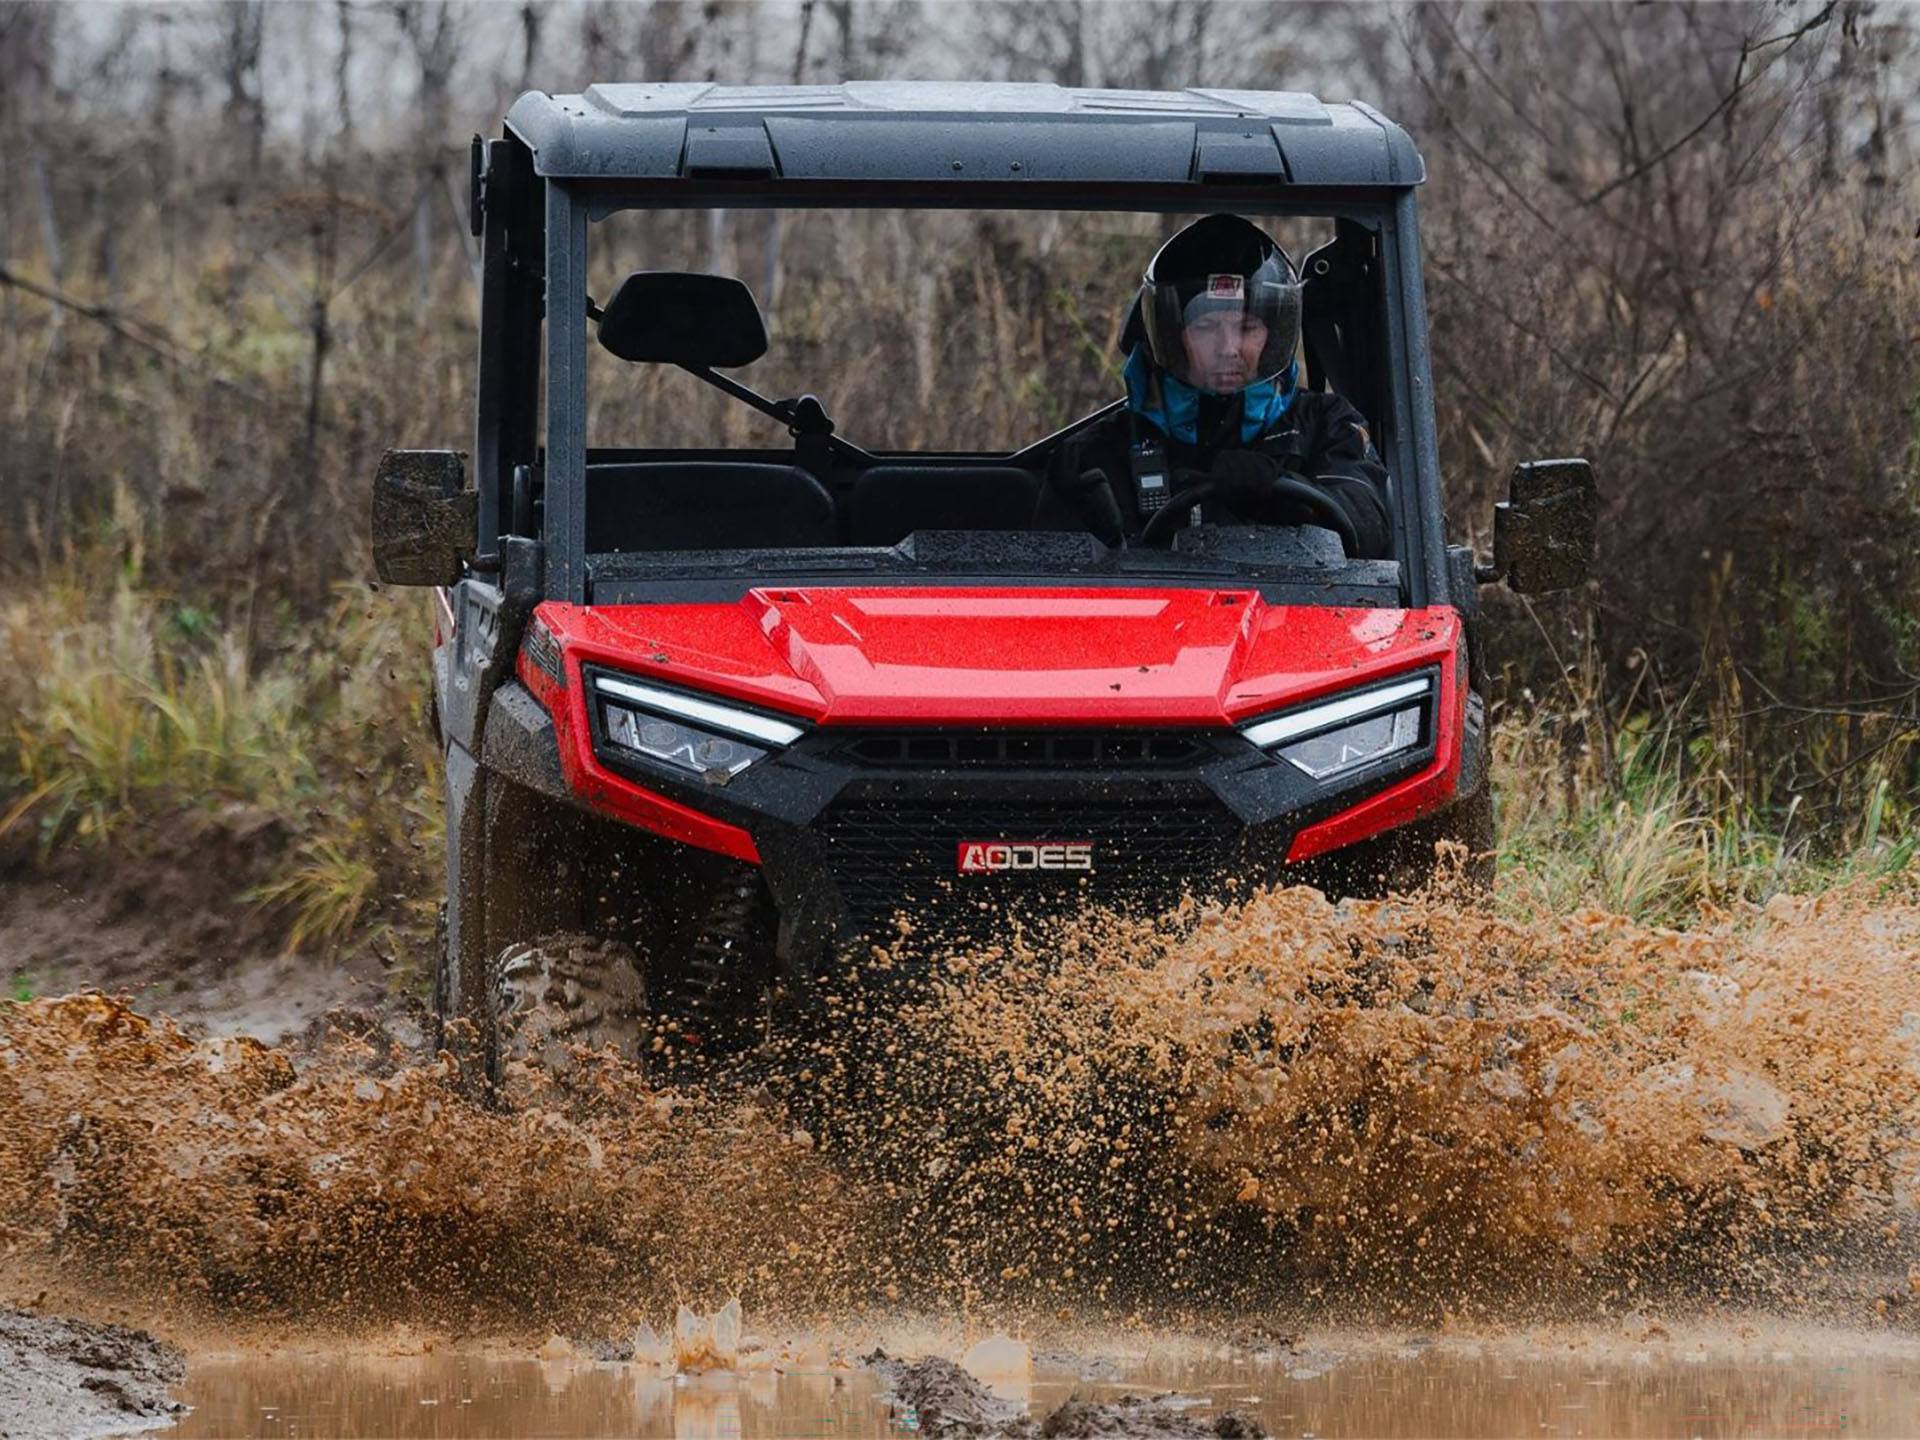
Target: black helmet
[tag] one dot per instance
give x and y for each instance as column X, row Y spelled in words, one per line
column 1221, row 265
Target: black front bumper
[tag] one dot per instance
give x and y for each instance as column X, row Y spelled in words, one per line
column 858, row 826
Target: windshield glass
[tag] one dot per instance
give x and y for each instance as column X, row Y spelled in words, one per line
column 945, row 348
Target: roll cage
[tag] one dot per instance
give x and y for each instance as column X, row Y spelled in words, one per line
column 565, row 163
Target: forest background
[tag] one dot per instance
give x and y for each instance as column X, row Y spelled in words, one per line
column 1680, row 239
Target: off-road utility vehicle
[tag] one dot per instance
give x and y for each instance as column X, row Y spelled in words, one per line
column 734, row 698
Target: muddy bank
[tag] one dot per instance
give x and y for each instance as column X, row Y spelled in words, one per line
column 162, row 918
column 64, row 1379
column 942, row 1400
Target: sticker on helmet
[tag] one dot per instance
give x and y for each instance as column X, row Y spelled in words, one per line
column 1226, row 287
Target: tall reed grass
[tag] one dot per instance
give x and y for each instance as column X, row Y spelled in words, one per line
column 127, row 705
column 1648, row 817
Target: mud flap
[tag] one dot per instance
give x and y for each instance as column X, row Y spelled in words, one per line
column 460, row 981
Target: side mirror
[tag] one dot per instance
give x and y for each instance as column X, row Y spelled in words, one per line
column 671, row 317
column 1545, row 534
column 425, row 520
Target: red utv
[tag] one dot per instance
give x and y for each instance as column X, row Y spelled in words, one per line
column 732, row 688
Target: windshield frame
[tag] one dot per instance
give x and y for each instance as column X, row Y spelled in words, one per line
column 572, row 207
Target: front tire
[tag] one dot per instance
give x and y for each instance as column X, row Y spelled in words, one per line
column 563, row 994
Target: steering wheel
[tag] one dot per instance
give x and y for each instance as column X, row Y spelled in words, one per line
column 1163, row 522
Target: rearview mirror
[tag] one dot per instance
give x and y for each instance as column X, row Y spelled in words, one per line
column 672, row 317
column 1545, row 534
column 425, row 520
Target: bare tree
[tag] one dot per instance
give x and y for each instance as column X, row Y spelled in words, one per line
column 870, row 38
column 241, row 35
column 343, row 68
column 26, row 59
column 771, row 285
column 1037, row 40
column 1648, row 239
column 532, row 21
column 432, row 30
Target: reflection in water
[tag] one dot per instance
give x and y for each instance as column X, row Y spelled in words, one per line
column 1445, row 1390
column 707, row 1407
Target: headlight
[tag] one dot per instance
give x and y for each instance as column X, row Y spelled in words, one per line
column 686, row 732
column 1335, row 736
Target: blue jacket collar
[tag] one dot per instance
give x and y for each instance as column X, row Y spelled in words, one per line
column 1173, row 406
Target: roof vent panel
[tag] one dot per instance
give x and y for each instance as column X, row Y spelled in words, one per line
column 737, row 151
column 1247, row 156
column 627, row 101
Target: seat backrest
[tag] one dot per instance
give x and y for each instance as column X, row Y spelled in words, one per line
column 890, row 502
column 705, row 505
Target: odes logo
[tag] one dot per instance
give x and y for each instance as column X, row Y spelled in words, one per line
column 986, row 857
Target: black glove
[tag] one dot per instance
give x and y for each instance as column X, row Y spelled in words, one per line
column 1090, row 497
column 1246, row 482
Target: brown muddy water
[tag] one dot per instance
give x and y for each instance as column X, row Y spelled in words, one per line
column 1288, row 1116
column 1711, row 1386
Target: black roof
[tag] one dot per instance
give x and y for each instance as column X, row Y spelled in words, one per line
column 921, row 131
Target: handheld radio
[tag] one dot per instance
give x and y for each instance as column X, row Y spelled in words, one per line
column 1149, row 466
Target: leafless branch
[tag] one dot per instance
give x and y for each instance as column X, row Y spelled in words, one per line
column 1741, row 81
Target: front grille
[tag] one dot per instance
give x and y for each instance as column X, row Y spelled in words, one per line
column 1024, row 749
column 891, row 853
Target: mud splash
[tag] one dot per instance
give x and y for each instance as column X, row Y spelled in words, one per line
column 1410, row 1109
column 1418, row 1106
column 349, row 1185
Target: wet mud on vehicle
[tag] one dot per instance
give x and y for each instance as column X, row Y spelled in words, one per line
column 714, row 715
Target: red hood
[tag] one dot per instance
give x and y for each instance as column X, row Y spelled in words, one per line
column 845, row 656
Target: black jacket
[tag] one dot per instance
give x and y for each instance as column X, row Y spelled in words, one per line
column 1321, row 438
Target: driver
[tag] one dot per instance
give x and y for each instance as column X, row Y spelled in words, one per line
column 1213, row 397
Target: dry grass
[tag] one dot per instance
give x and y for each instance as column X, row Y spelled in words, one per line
column 115, row 708
column 127, row 705
column 1657, row 829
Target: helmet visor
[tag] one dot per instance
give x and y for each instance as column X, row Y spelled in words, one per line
column 1223, row 332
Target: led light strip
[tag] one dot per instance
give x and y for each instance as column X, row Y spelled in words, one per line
column 705, row 712
column 1355, row 707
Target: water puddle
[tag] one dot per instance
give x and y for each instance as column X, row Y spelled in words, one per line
column 1416, row 1389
